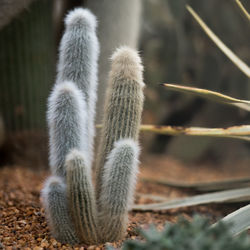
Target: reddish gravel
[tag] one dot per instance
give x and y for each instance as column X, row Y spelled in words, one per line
column 22, row 221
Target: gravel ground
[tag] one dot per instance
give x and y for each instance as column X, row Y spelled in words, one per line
column 22, row 221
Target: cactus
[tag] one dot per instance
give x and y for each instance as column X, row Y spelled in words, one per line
column 71, row 111
column 117, row 189
column 57, row 212
column 79, row 51
column 81, row 197
column 66, row 117
column 71, row 116
column 123, row 107
column 122, row 118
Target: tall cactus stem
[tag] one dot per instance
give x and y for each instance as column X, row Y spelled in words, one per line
column 81, row 197
column 57, row 212
column 66, row 119
column 79, row 51
column 117, row 190
column 123, row 108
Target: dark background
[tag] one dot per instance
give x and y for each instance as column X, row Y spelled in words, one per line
column 174, row 49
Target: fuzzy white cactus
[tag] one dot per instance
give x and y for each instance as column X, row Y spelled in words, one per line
column 124, row 104
column 117, row 191
column 71, row 111
column 82, row 198
column 70, row 194
column 79, row 51
column 118, row 151
column 67, row 118
column 55, row 203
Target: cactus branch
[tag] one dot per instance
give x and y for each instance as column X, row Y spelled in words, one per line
column 81, row 197
column 122, row 115
column 66, row 119
column 79, row 51
column 57, row 212
column 117, row 190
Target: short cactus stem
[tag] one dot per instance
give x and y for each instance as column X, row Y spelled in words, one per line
column 81, row 197
column 57, row 211
column 117, row 189
column 66, row 118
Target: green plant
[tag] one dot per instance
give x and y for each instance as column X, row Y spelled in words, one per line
column 236, row 190
column 183, row 235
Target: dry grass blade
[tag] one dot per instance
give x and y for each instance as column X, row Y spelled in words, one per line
column 165, row 199
column 152, row 197
column 203, row 186
column 243, row 9
column 235, row 59
column 240, row 220
column 236, row 195
column 211, row 95
column 237, row 132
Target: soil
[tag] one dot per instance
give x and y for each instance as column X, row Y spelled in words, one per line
column 22, row 221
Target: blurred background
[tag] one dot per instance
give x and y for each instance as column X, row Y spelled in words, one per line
column 174, row 49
